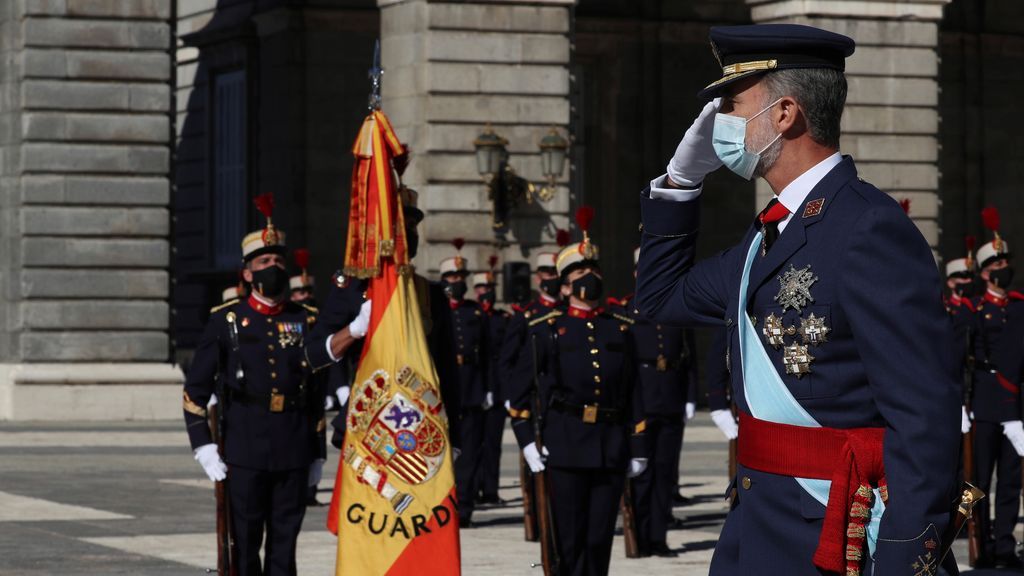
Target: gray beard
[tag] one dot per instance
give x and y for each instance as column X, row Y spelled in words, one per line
column 770, row 154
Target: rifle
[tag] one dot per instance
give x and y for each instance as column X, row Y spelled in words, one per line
column 629, row 521
column 226, row 551
column 545, row 519
column 732, row 459
column 529, row 512
column 973, row 534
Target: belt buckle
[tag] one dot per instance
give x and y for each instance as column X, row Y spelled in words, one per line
column 662, row 363
column 460, row 359
column 590, row 413
column 276, row 402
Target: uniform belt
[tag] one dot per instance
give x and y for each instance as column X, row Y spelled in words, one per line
column 274, row 402
column 589, row 413
column 850, row 458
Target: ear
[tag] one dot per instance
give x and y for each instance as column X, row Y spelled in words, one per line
column 984, row 274
column 788, row 114
column 566, row 290
column 247, row 275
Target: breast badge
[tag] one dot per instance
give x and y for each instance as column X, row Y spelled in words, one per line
column 289, row 334
column 813, row 330
column 797, row 360
column 795, row 288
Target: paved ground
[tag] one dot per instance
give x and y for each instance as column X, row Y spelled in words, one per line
column 127, row 498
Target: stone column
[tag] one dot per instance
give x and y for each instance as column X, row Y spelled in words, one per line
column 450, row 69
column 891, row 123
column 84, row 162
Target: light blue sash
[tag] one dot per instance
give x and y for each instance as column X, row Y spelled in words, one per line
column 769, row 399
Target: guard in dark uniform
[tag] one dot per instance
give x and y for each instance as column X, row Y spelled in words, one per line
column 666, row 375
column 495, row 413
column 593, row 414
column 962, row 288
column 998, row 433
column 549, row 297
column 470, row 343
column 274, row 430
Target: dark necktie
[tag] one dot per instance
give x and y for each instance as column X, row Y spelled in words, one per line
column 769, row 219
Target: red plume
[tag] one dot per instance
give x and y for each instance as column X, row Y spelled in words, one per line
column 492, row 261
column 905, row 204
column 969, row 241
column 302, row 258
column 265, row 204
column 459, row 243
column 990, row 218
column 562, row 237
column 584, row 215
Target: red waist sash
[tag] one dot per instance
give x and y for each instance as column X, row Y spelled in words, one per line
column 850, row 458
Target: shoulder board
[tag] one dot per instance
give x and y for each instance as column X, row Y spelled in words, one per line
column 1014, row 295
column 227, row 304
column 310, row 309
column 549, row 316
column 621, row 317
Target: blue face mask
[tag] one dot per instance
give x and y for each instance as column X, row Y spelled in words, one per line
column 729, row 141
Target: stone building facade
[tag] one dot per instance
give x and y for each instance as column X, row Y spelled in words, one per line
column 133, row 135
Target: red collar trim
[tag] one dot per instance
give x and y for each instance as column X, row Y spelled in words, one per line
column 585, row 314
column 547, row 303
column 263, row 308
column 993, row 299
column 454, row 304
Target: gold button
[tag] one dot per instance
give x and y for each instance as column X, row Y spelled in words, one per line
column 746, row 482
column 597, row 364
column 270, row 347
column 304, row 364
column 593, row 350
column 590, row 325
column 658, row 328
column 272, row 361
column 269, row 333
column 597, row 392
column 597, row 379
column 273, row 375
column 590, row 338
column 269, row 320
column 661, row 336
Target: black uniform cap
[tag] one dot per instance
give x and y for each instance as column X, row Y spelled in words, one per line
column 744, row 51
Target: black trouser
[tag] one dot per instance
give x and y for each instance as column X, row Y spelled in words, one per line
column 490, row 463
column 271, row 501
column 653, row 490
column 585, row 506
column 993, row 450
column 467, row 467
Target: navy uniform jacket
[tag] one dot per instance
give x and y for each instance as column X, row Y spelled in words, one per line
column 580, row 361
column 717, row 373
column 885, row 362
column 665, row 367
column 514, row 342
column 470, row 344
column 997, row 323
column 270, row 355
column 497, row 327
column 342, row 307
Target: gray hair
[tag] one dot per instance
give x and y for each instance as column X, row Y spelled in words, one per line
column 821, row 93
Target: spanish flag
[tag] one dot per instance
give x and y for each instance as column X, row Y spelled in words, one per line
column 393, row 507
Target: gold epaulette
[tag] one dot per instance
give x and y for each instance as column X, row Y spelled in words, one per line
column 640, row 427
column 220, row 307
column 310, row 309
column 623, row 318
column 549, row 316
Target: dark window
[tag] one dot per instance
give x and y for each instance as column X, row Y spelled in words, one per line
column 229, row 198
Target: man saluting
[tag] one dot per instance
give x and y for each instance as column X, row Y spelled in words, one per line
column 848, row 407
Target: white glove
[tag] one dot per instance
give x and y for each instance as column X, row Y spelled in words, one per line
column 636, row 467
column 358, row 327
column 965, row 420
column 691, row 410
column 726, row 423
column 695, row 157
column 488, row 401
column 316, row 471
column 212, row 401
column 1014, row 430
column 533, row 458
column 209, row 459
column 328, row 403
column 343, row 393
column 455, row 454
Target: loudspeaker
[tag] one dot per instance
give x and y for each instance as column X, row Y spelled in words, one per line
column 515, row 282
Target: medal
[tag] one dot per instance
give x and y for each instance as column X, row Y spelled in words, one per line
column 795, row 288
column 797, row 360
column 774, row 331
column 813, row 330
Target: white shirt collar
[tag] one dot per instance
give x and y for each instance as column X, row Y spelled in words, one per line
column 793, row 195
